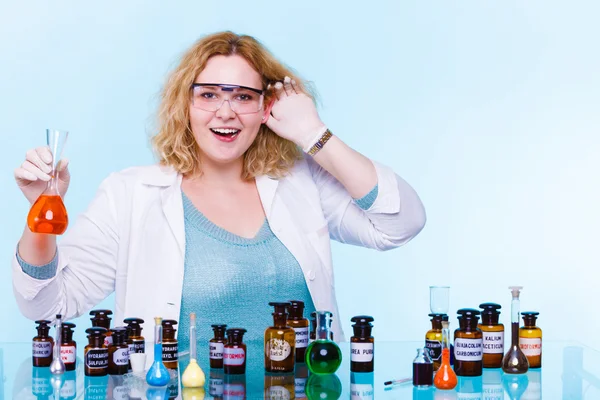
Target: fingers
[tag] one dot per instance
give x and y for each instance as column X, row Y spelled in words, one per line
column 62, row 165
column 287, row 86
column 41, row 158
column 28, row 167
column 22, row 174
column 295, row 86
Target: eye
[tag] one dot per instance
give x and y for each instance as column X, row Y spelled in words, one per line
column 244, row 97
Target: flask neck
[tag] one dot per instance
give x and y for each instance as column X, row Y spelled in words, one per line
column 323, row 326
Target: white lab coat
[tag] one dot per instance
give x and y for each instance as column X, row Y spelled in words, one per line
column 131, row 240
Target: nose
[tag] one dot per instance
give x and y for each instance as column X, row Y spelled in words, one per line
column 225, row 112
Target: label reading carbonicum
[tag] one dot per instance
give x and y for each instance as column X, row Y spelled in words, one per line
column 41, row 349
column 96, row 358
column 67, row 354
column 531, row 347
column 121, row 356
column 278, row 349
column 361, row 352
column 170, row 351
column 301, row 337
column 468, row 349
column 233, row 356
column 435, row 349
column 216, row 350
column 493, row 342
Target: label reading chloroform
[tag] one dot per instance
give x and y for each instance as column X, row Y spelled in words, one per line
column 233, row 356
column 121, row 356
column 361, row 352
column 170, row 351
column 493, row 342
column 435, row 349
column 468, row 349
column 216, row 351
column 97, row 358
column 41, row 349
column 301, row 337
column 67, row 354
column 531, row 346
column 278, row 349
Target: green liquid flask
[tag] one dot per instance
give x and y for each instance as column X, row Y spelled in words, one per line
column 323, row 356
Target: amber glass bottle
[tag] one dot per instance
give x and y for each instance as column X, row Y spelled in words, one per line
column 468, row 344
column 95, row 354
column 433, row 339
column 299, row 324
column 362, row 345
column 530, row 339
column 170, row 346
column 216, row 345
column 68, row 347
column 42, row 345
column 280, row 342
column 118, row 353
column 493, row 335
column 101, row 319
column 234, row 352
column 135, row 334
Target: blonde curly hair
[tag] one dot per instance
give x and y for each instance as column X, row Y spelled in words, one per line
column 174, row 143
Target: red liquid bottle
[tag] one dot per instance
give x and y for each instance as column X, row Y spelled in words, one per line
column 445, row 378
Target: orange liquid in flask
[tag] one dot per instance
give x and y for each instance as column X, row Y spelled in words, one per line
column 48, row 215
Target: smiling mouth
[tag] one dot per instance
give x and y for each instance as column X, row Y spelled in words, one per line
column 228, row 133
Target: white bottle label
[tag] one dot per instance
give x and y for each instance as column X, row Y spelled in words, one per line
column 531, row 346
column 361, row 352
column 41, row 349
column 215, row 387
column 67, row 354
column 131, row 347
column 121, row 356
column 493, row 392
column 301, row 337
column 68, row 389
column 216, row 351
column 468, row 349
column 279, row 393
column 361, row 391
column 493, row 342
column 120, row 393
column 233, row 356
column 278, row 349
column 300, row 387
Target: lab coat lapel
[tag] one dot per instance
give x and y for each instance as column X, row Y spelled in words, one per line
column 172, row 205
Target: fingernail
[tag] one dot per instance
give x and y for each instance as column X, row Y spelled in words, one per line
column 287, row 79
column 278, row 85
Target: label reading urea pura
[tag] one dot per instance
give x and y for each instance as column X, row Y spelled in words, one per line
column 121, row 356
column 493, row 342
column 67, row 354
column 435, row 349
column 301, row 337
column 170, row 351
column 468, row 349
column 361, row 352
column 139, row 346
column 233, row 356
column 216, row 351
column 531, row 347
column 278, row 349
column 41, row 349
column 97, row 358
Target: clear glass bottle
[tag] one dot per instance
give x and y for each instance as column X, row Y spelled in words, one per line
column 280, row 342
column 433, row 339
column 422, row 368
column 514, row 361
column 493, row 335
column 68, row 348
column 468, row 344
column 323, row 356
column 362, row 345
column 216, row 345
column 42, row 345
column 299, row 324
column 445, row 377
column 530, row 339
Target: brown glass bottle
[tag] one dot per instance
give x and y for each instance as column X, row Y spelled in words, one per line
column 362, row 345
column 101, row 319
column 68, row 347
column 530, row 339
column 468, row 344
column 216, row 345
column 118, row 353
column 299, row 324
column 135, row 335
column 280, row 342
column 234, row 352
column 493, row 335
column 95, row 354
column 433, row 339
column 42, row 345
column 170, row 345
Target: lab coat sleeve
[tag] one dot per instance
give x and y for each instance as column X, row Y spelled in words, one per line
column 87, row 260
column 395, row 217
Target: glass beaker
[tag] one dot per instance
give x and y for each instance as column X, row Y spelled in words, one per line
column 48, row 214
column 439, row 299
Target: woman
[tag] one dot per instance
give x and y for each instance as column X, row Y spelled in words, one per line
column 250, row 188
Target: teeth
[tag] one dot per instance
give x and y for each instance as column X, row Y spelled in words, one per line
column 224, row 131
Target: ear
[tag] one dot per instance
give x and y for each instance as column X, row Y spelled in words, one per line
column 267, row 111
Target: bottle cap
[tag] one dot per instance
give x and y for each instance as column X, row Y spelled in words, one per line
column 43, row 327
column 296, row 309
column 529, row 317
column 279, row 308
column 135, row 326
column 235, row 334
column 362, row 320
column 100, row 318
column 468, row 314
column 515, row 290
column 118, row 335
column 67, row 331
column 96, row 334
column 169, row 326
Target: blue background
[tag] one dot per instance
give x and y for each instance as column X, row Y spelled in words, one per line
column 489, row 109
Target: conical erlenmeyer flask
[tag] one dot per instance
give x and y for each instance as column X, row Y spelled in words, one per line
column 48, row 214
